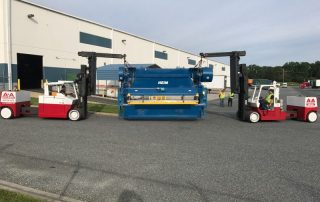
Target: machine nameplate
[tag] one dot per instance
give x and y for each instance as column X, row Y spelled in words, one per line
column 163, row 82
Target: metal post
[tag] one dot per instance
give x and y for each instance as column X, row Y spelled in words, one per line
column 234, row 73
column 243, row 84
column 19, row 88
column 3, row 79
column 87, row 80
column 238, row 80
column 9, row 42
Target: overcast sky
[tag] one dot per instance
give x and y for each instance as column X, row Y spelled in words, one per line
column 272, row 32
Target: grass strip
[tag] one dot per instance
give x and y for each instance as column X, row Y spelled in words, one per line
column 8, row 196
column 102, row 108
column 34, row 101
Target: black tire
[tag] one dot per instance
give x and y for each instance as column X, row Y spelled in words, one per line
column 254, row 117
column 74, row 115
column 6, row 113
column 312, row 117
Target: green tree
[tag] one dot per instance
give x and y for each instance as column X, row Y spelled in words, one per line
column 292, row 71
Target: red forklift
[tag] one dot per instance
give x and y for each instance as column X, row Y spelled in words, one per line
column 52, row 104
column 70, row 103
column 249, row 109
column 298, row 107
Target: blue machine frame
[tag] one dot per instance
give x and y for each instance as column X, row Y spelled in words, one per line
column 148, row 93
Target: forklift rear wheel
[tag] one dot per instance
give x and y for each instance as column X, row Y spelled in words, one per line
column 312, row 117
column 6, row 113
column 254, row 117
column 74, row 115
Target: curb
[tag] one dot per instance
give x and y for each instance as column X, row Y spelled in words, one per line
column 99, row 103
column 104, row 114
column 8, row 186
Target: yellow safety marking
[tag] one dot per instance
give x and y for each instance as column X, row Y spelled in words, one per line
column 163, row 102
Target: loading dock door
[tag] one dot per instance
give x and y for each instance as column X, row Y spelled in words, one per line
column 30, row 71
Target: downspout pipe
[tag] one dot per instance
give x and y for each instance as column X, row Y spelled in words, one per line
column 9, row 42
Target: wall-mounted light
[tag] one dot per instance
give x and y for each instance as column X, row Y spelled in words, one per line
column 30, row 16
column 164, row 51
column 124, row 41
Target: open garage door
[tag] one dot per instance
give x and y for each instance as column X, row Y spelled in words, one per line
column 30, row 69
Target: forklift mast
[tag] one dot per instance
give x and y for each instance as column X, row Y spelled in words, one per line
column 238, row 77
column 86, row 79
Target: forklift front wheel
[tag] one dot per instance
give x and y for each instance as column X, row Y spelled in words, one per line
column 6, row 113
column 74, row 115
column 312, row 117
column 254, row 117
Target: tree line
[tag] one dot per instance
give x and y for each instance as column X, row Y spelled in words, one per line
column 289, row 72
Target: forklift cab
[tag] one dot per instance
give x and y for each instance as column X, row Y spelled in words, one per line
column 61, row 89
column 273, row 113
column 255, row 100
column 57, row 103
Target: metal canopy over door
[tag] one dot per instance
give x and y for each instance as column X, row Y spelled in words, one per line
column 30, row 70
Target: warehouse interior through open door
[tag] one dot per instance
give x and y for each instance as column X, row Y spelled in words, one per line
column 30, row 71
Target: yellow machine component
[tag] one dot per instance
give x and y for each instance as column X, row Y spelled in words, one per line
column 157, row 97
column 163, row 102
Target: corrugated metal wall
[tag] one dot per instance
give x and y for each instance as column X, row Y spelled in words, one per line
column 108, row 72
column 111, row 72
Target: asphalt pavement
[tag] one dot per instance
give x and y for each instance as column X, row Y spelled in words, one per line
column 218, row 158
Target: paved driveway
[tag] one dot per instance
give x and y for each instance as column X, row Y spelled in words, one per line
column 217, row 158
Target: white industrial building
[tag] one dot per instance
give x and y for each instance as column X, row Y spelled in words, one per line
column 38, row 43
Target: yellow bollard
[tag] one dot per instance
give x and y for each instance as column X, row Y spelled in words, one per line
column 18, row 84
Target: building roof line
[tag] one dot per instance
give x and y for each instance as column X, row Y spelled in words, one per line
column 113, row 29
